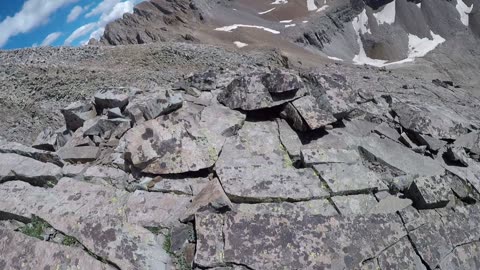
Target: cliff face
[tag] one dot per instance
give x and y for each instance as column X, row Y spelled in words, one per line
column 153, row 21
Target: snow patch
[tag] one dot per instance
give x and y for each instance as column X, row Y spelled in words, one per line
column 463, row 10
column 311, row 5
column 289, row 25
column 240, row 44
column 322, row 8
column 266, row 11
column 280, row 2
column 304, row 21
column 230, row 28
column 419, row 47
column 419, row 5
column 387, row 14
column 286, row 21
column 335, row 58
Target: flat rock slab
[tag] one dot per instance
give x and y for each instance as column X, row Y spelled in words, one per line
column 312, row 207
column 22, row 150
column 312, row 156
column 183, row 186
column 270, row 183
column 312, row 113
column 169, row 145
column 360, row 204
column 293, row 241
column 107, row 221
column 256, row 91
column 13, row 166
column 111, row 98
column 430, row 192
column 77, row 113
column 289, row 138
column 79, row 154
column 399, row 157
column 344, row 178
column 23, row 252
column 430, row 119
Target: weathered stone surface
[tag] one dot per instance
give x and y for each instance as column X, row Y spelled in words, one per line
column 114, row 113
column 360, row 204
column 167, row 145
column 312, row 156
column 251, row 92
column 205, row 81
column 343, row 178
column 430, row 119
column 399, row 157
column 212, row 197
column 400, row 256
column 79, row 154
column 23, row 252
column 46, row 140
column 102, row 125
column 106, row 221
column 430, row 192
column 457, row 155
column 312, row 207
column 390, row 204
column 151, row 106
column 22, row 150
column 16, row 167
column 110, row 98
column 270, row 183
column 154, row 209
column 385, row 130
column 183, row 186
column 466, row 256
column 289, row 139
column 113, row 176
column 77, row 113
column 312, row 113
column 469, row 141
column 282, row 81
column 334, row 242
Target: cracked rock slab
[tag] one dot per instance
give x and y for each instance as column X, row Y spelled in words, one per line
column 270, row 183
column 293, row 241
column 344, row 178
column 101, row 218
column 312, row 114
column 23, row 252
column 312, row 207
column 400, row 256
column 169, row 145
column 22, row 150
column 360, row 204
column 16, row 167
column 430, row 192
column 312, row 156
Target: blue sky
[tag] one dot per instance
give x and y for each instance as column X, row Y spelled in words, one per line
column 27, row 23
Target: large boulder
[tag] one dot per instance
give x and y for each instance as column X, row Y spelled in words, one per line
column 77, row 113
column 17, row 167
column 110, row 98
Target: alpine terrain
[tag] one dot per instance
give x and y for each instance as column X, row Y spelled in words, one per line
column 248, row 135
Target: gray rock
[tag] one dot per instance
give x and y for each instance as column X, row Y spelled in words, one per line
column 106, row 221
column 390, row 204
column 311, row 207
column 343, row 178
column 167, row 145
column 462, row 257
column 74, row 170
column 289, row 139
column 312, row 156
column 102, row 126
column 395, row 155
column 355, row 204
column 46, row 140
column 282, row 81
column 252, row 92
column 439, row 122
column 432, row 143
column 401, row 256
column 334, row 242
column 212, row 197
column 16, row 167
column 40, row 155
column 77, row 113
column 151, row 106
column 23, row 252
column 385, row 130
column 110, row 98
column 270, row 183
column 79, row 154
column 430, row 192
column 470, row 141
column 457, row 155
column 115, row 177
column 312, row 113
column 206, row 81
column 114, row 113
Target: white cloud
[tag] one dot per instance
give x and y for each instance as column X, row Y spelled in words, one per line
column 80, row 32
column 50, row 39
column 34, row 13
column 108, row 10
column 74, row 13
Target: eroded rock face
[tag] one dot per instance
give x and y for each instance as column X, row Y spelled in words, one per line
column 32, row 253
column 13, row 166
column 168, row 145
column 334, row 242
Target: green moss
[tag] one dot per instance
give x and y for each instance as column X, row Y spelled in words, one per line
column 155, row 230
column 70, row 241
column 167, row 244
column 35, row 228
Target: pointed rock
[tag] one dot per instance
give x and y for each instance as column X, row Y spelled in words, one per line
column 77, row 113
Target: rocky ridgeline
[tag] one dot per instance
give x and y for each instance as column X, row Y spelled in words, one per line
column 253, row 168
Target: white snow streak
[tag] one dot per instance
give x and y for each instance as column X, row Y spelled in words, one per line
column 286, row 21
column 280, row 2
column 266, row 11
column 311, row 5
column 322, row 8
column 290, row 25
column 240, row 44
column 419, row 47
column 463, row 10
column 335, row 58
column 230, row 28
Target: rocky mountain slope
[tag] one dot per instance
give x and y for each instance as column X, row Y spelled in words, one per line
column 184, row 155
